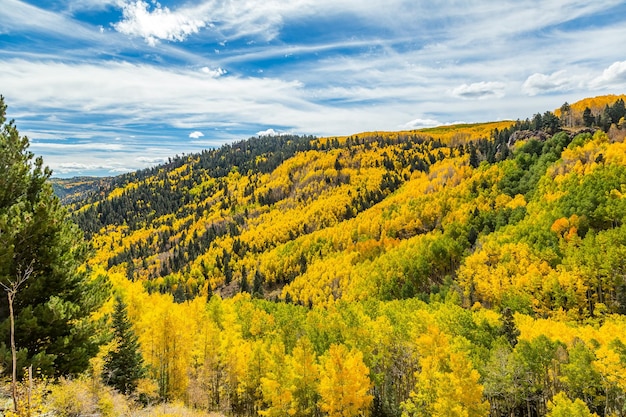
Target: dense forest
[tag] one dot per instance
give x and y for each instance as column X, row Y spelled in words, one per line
column 466, row 270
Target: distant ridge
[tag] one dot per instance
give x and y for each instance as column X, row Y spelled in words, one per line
column 71, row 190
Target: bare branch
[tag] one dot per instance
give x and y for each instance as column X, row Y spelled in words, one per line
column 21, row 277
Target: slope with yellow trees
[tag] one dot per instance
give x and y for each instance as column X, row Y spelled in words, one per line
column 455, row 271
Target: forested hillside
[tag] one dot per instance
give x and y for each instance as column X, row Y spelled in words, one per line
column 202, row 223
column 467, row 270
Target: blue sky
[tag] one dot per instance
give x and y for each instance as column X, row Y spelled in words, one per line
column 103, row 87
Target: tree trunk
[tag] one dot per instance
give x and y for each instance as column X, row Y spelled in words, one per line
column 10, row 297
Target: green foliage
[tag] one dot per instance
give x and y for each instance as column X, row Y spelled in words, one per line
column 589, row 196
column 53, row 327
column 580, row 378
column 531, row 162
column 123, row 365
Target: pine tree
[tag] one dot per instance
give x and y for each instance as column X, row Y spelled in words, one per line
column 257, row 285
column 509, row 330
column 244, row 286
column 588, row 118
column 52, row 308
column 123, row 366
column 473, row 159
column 605, row 119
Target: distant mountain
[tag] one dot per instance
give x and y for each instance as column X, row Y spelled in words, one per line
column 70, row 190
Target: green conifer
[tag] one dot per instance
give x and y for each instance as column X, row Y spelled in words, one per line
column 52, row 308
column 123, row 366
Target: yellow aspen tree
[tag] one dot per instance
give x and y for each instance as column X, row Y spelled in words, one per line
column 306, row 375
column 611, row 370
column 561, row 406
column 233, row 355
column 345, row 383
column 167, row 346
column 276, row 385
column 257, row 366
column 447, row 384
column 206, row 372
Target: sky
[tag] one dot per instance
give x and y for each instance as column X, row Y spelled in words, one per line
column 103, row 87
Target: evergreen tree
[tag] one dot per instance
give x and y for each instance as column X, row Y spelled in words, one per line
column 617, row 110
column 244, row 287
column 588, row 118
column 123, row 366
column 52, row 308
column 537, row 122
column 550, row 123
column 473, row 159
column 605, row 120
column 257, row 285
column 509, row 330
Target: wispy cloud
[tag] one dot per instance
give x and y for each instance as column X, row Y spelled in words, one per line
column 325, row 67
column 150, row 160
column 479, row 90
column 77, row 168
column 91, row 146
column 18, row 16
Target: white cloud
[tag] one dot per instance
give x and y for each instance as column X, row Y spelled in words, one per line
column 269, row 132
column 479, row 90
column 158, row 24
column 614, row 75
column 218, row 72
column 420, row 123
column 105, row 147
column 77, row 168
column 150, row 160
column 196, row 135
column 541, row 83
column 104, row 89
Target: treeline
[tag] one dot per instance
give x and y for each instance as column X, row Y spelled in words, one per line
column 166, row 192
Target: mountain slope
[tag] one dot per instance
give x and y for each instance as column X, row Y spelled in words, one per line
column 194, row 222
column 384, row 215
column 461, row 270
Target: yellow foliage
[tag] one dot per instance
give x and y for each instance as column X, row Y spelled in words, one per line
column 344, row 383
column 447, row 384
column 595, row 104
